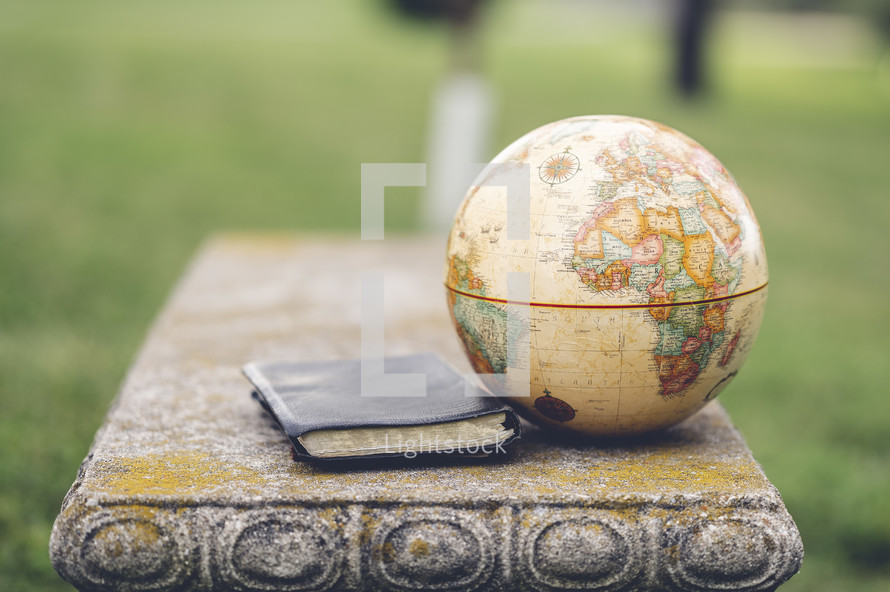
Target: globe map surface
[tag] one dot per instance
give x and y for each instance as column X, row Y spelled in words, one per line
column 647, row 277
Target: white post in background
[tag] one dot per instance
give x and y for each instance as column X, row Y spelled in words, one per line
column 459, row 138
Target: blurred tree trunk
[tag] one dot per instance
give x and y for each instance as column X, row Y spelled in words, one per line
column 692, row 22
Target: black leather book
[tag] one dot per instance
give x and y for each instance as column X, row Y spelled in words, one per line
column 320, row 407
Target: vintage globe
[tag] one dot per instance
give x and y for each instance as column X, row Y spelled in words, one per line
column 644, row 269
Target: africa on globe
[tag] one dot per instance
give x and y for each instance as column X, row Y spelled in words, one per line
column 647, row 277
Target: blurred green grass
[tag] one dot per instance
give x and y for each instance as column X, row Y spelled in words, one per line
column 129, row 132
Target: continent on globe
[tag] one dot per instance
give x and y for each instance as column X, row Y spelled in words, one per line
column 646, row 269
column 482, row 325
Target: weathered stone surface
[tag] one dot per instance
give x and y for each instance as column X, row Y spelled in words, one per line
column 189, row 486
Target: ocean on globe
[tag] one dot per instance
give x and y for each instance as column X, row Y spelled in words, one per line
column 646, row 277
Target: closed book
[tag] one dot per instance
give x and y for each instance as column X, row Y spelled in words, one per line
column 321, row 408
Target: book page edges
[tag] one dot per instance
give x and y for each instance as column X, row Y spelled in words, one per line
column 475, row 433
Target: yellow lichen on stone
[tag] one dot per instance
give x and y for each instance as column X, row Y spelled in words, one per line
column 369, row 524
column 180, row 474
column 656, row 471
column 110, row 542
column 419, row 548
column 132, row 534
column 386, row 552
column 330, row 516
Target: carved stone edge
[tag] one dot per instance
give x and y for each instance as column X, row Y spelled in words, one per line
column 397, row 547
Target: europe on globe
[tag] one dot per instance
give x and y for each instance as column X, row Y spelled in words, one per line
column 647, row 277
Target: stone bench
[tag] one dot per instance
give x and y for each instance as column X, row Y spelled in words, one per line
column 189, row 486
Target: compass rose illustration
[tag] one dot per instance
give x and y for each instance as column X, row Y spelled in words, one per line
column 559, row 168
column 550, row 406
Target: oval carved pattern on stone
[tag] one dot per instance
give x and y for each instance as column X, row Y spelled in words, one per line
column 581, row 554
column 280, row 550
column 739, row 553
column 134, row 548
column 433, row 553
